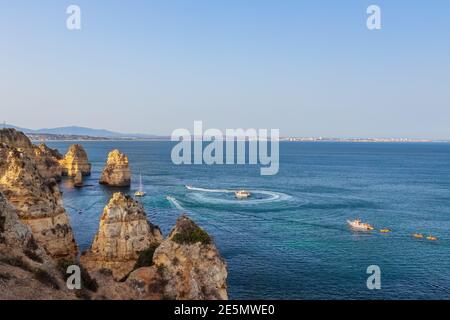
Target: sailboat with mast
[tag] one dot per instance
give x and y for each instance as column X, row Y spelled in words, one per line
column 140, row 192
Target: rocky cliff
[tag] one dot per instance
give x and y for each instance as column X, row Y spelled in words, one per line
column 16, row 139
column 12, row 232
column 123, row 234
column 190, row 264
column 186, row 266
column 116, row 172
column 38, row 202
column 47, row 160
column 26, row 271
column 75, row 159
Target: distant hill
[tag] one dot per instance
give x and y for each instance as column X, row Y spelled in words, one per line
column 15, row 127
column 79, row 131
column 83, row 131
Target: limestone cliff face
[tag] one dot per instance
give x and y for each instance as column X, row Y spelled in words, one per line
column 26, row 271
column 123, row 234
column 38, row 202
column 47, row 160
column 116, row 172
column 187, row 266
column 12, row 232
column 16, row 139
column 75, row 159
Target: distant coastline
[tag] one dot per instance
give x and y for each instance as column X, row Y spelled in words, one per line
column 74, row 133
column 76, row 138
column 372, row 140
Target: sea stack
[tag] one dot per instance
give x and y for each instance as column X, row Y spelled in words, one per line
column 78, row 179
column 38, row 202
column 75, row 159
column 123, row 234
column 116, row 172
column 186, row 266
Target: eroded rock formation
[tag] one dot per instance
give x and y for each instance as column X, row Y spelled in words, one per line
column 186, row 266
column 12, row 232
column 26, row 271
column 75, row 159
column 78, row 179
column 38, row 202
column 47, row 160
column 116, row 172
column 123, row 234
column 16, row 139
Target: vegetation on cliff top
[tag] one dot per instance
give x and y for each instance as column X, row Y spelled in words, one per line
column 189, row 233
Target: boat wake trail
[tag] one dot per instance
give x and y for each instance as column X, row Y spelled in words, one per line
column 259, row 196
column 175, row 203
column 209, row 190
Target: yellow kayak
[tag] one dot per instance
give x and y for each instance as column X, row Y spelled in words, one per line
column 431, row 238
column 418, row 235
column 385, row 230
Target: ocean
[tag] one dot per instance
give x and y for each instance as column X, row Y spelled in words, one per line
column 291, row 240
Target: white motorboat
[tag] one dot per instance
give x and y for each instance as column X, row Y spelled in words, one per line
column 359, row 225
column 242, row 194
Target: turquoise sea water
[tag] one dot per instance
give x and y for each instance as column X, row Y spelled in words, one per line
column 291, row 240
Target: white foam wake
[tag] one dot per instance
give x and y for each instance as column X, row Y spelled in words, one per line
column 270, row 196
column 175, row 203
column 209, row 190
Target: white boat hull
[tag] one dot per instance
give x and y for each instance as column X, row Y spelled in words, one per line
column 359, row 226
column 242, row 194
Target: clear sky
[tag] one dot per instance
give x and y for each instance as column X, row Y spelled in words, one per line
column 309, row 68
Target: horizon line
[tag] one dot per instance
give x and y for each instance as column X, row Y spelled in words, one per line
column 282, row 137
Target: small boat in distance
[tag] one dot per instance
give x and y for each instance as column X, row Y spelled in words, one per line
column 242, row 194
column 418, row 235
column 385, row 230
column 431, row 238
column 358, row 225
column 189, row 187
column 140, row 192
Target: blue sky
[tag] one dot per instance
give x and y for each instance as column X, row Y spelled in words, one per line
column 309, row 68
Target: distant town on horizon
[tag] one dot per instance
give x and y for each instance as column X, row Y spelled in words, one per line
column 77, row 133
